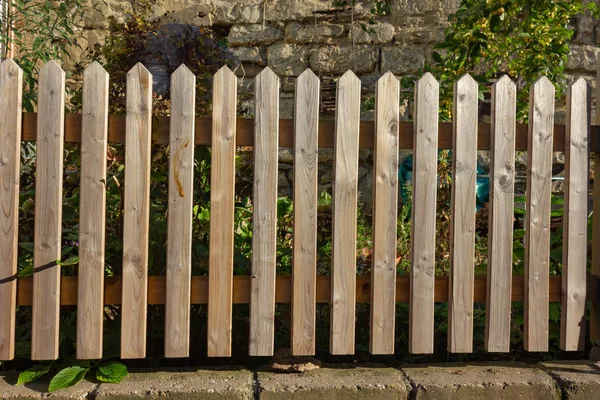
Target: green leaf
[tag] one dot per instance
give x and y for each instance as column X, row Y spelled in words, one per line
column 495, row 23
column 33, row 373
column 67, row 377
column 111, row 372
column 73, row 260
column 437, row 57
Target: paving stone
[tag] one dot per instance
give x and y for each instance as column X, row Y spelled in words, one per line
column 489, row 380
column 201, row 384
column 579, row 380
column 342, row 382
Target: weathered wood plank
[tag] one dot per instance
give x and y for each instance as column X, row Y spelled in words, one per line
column 48, row 213
column 501, row 216
column 422, row 273
column 90, row 289
column 245, row 133
column 304, row 267
column 462, row 252
column 345, row 190
column 283, row 289
column 262, row 305
column 179, row 230
column 572, row 321
column 136, row 211
column 385, row 210
column 537, row 215
column 11, row 98
column 222, row 201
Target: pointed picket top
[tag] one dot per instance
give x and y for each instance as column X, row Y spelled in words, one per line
column 307, row 75
column 182, row 71
column 504, row 80
column 225, row 73
column 466, row 81
column 51, row 68
column 543, row 83
column 579, row 85
column 95, row 69
column 504, row 87
column 9, row 68
column 138, row 69
column 428, row 80
column 267, row 74
column 386, row 78
column 348, row 78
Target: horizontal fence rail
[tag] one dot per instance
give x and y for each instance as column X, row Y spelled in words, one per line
column 47, row 290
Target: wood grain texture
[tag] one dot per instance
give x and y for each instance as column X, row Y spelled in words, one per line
column 266, row 147
column 283, row 289
column 136, row 212
column 304, row 256
column 90, row 289
column 537, row 215
column 48, row 213
column 424, row 202
column 179, row 230
column 385, row 210
column 345, row 190
column 245, row 133
column 222, row 202
column 595, row 268
column 11, row 98
column 575, row 235
column 462, row 234
column 501, row 216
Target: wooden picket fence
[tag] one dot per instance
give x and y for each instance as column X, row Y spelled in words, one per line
column 90, row 290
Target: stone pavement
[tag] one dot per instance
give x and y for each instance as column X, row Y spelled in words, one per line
column 489, row 380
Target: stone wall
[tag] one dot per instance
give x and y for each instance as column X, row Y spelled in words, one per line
column 291, row 35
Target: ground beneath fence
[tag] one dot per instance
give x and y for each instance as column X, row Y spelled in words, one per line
column 492, row 380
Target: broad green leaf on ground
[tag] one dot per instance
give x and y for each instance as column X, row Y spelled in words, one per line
column 67, row 377
column 111, row 372
column 33, row 373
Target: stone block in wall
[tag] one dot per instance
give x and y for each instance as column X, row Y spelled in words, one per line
column 101, row 11
column 419, row 36
column 248, row 35
column 288, row 59
column 299, row 10
column 238, row 12
column 585, row 27
column 197, row 15
column 378, row 33
column 314, row 33
column 407, row 7
column 253, row 54
column 402, row 60
column 583, row 58
column 336, row 60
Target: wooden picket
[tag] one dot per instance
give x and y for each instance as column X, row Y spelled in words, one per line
column 306, row 158
column 345, row 191
column 537, row 215
column 501, row 214
column 11, row 98
column 90, row 288
column 222, row 200
column 422, row 272
column 136, row 210
column 262, row 304
column 385, row 210
column 48, row 213
column 575, row 237
column 179, row 235
column 304, row 289
column 462, row 231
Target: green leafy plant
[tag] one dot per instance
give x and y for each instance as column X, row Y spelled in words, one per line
column 524, row 39
column 71, row 373
column 41, row 31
